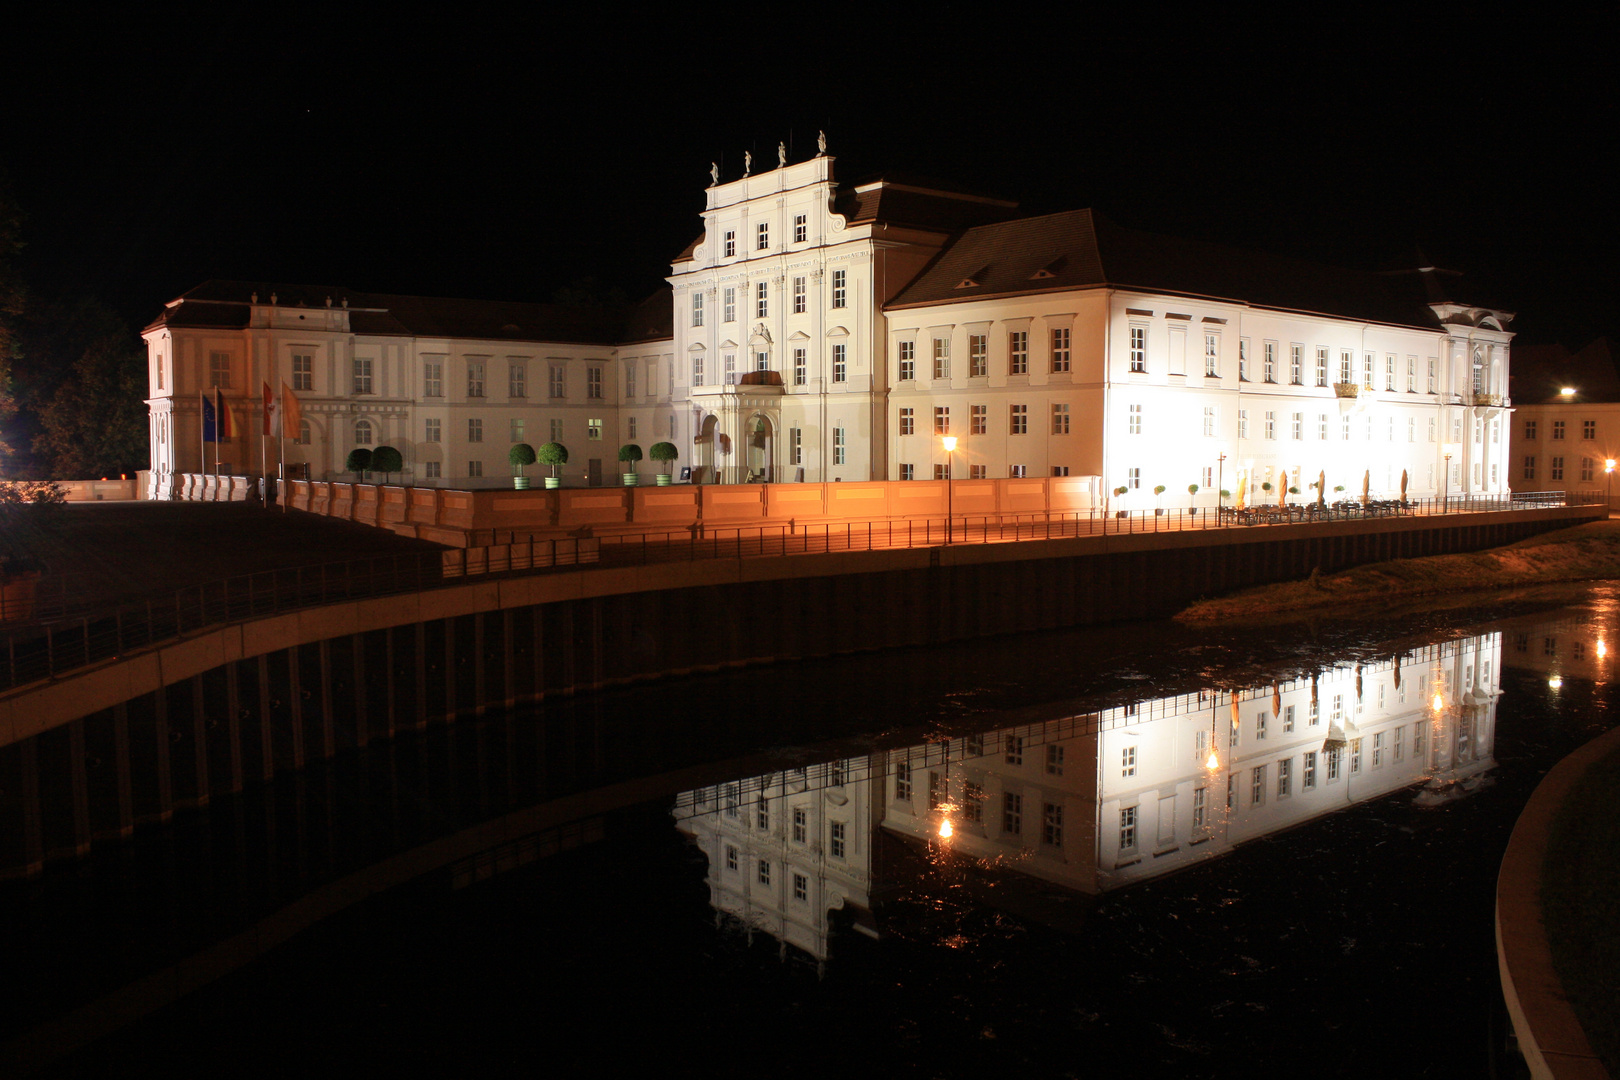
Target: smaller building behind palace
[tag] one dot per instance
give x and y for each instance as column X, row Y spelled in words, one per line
column 821, row 331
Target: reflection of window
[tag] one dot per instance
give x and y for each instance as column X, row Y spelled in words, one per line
column 1054, row 759
column 1308, row 779
column 973, row 803
column 801, row 887
column 1012, row 813
column 836, row 845
column 1052, row 824
column 801, row 820
column 1127, row 828
column 1199, row 807
column 902, row 782
column 1015, row 749
column 1127, row 761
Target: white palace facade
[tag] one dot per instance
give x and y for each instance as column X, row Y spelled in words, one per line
column 815, row 332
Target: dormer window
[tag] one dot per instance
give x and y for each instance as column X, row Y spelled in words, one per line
column 731, row 244
column 975, row 279
column 1050, row 270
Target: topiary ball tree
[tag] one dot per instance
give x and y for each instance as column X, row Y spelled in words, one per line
column 522, row 454
column 554, row 454
column 630, row 453
column 359, row 460
column 387, row 460
column 663, row 451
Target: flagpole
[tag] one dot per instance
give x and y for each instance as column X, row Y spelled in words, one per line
column 202, row 443
column 281, row 447
column 264, row 448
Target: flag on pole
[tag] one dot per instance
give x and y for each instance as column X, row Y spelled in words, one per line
column 208, row 434
column 292, row 416
column 227, row 422
column 269, row 411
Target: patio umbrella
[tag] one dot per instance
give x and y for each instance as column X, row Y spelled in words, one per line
column 1397, row 671
column 1358, row 682
column 1276, row 700
column 1243, row 490
column 1403, row 485
column 1282, row 490
column 1234, row 710
column 1321, row 488
column 1366, row 482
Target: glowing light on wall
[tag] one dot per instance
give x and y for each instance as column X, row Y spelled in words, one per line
column 1568, row 391
column 1555, row 682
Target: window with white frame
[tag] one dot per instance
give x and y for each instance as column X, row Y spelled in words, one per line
column 1209, row 421
column 978, row 419
column 838, row 446
column 475, row 430
column 982, row 472
column 731, row 243
column 1321, row 425
column 1127, row 761
column 801, row 887
column 840, row 364
column 942, row 358
column 557, row 381
column 795, row 446
column 362, row 374
column 1271, row 424
column 303, row 372
column 1588, row 430
column 1017, row 472
column 1243, row 424
column 515, row 430
column 1296, row 364
column 1285, row 777
column 1288, row 718
column 475, row 378
column 840, row 296
column 1257, row 785
column 1411, row 374
column 475, row 468
column 1018, row 420
column 697, row 369
column 362, row 433
column 836, row 841
column 629, row 380
column 1212, row 355
column 1347, row 361
column 1134, row 419
column 1332, row 763
column 908, row 471
column 430, row 470
column 908, row 360
column 1127, row 828
column 942, row 419
column 801, row 228
column 697, row 309
column 800, row 367
column 1060, row 349
column 1243, row 359
column 1586, row 468
column 1321, row 365
column 762, row 236
column 1307, row 779
column 1018, row 352
column 762, row 303
column 1434, row 378
column 1133, row 478
column 1208, row 477
column 219, row 370
column 1389, row 371
column 432, row 431
column 1013, row 747
column 1367, row 371
column 1200, row 807
column 1268, row 368
column 728, row 300
column 978, row 355
column 593, row 382
column 731, row 857
column 1060, row 419
column 1138, row 348
column 1054, row 759
column 800, row 296
column 593, row 429
column 908, row 421
column 1530, row 467
column 517, row 379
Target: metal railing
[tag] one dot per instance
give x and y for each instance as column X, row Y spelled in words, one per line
column 57, row 632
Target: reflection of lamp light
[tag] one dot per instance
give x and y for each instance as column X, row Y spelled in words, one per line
column 945, row 828
column 1602, row 648
column 1439, row 703
column 1555, row 682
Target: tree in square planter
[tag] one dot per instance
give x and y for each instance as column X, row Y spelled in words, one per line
column 1192, row 494
column 1158, row 493
column 522, row 455
column 359, row 461
column 1119, row 492
column 554, row 454
column 663, row 452
column 629, row 453
column 387, row 460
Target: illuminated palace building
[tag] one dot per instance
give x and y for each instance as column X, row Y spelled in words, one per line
column 1100, row 800
column 818, row 331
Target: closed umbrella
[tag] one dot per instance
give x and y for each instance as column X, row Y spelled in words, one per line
column 1282, row 489
column 1321, row 488
column 1403, row 485
column 1366, row 483
column 1243, row 490
column 1276, row 700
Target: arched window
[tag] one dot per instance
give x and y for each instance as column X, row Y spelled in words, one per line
column 303, row 432
column 362, row 433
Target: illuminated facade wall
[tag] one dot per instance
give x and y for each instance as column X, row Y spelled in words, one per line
column 1557, row 447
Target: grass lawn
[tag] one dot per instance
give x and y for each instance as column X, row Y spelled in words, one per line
column 1580, row 897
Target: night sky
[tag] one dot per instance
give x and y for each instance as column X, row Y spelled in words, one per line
column 470, row 155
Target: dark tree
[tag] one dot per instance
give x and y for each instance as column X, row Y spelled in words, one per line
column 93, row 421
column 11, row 309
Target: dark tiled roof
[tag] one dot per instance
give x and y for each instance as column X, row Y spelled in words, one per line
column 1083, row 249
column 653, row 319
column 900, row 199
column 686, row 252
column 1540, row 371
column 224, row 304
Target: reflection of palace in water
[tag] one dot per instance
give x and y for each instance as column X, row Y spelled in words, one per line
column 1100, row 800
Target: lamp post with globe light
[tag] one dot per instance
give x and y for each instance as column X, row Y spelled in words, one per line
column 1608, row 472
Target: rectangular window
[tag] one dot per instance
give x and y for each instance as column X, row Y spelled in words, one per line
column 593, row 382
column 1212, row 354
column 1060, row 419
column 1296, row 364
column 1257, row 785
column 1321, row 365
column 1586, row 468
column 796, row 446
column 475, row 379
column 942, row 420
column 1138, row 348
column 981, row 472
column 1378, row 749
column 430, row 469
column 1285, row 777
column 1268, row 371
column 1127, row 828
column 1018, row 352
column 475, row 430
column 517, row 380
column 1347, row 361
column 836, row 845
column 1288, row 718
column 1017, row 472
column 303, row 371
column 1355, row 756
column 973, row 802
column 557, row 381
column 1133, row 478
column 908, row 421
column 942, row 358
column 1411, row 374
column 557, row 431
column 762, row 303
column 593, row 429
column 1367, row 371
column 729, row 298
column 840, row 363
column 838, row 446
column 1243, row 423
column 1389, row 371
column 762, row 813
column 1060, row 349
column 630, row 379
column 1134, row 417
column 1555, row 471
column 908, row 361
column 1052, row 824
column 762, row 237
column 431, row 431
column 1558, row 429
column 1589, row 429
column 632, row 423
column 1199, row 807
column 1307, row 780
column 1012, row 813
column 902, row 782
column 840, row 297
column 800, row 295
column 219, row 370
column 1530, row 467
column 764, row 872
column 1299, row 425
column 1434, row 381
column 1399, row 745
column 731, row 243
column 1321, row 425
column 1015, row 749
column 936, row 790
column 1271, row 425
column 362, row 375
column 908, row 471
column 1209, row 421
column 1127, row 761
column 1332, row 763
column 697, row 369
column 1260, row 726
column 697, row 309
column 432, row 379
column 978, row 355
column 1243, row 359
column 801, row 887
column 1054, row 759
column 978, row 419
column 801, row 367
column 1018, row 420
column 515, row 431
column 801, row 228
column 475, row 468
column 731, row 857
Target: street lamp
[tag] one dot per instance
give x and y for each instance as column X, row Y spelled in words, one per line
column 1450, row 450
column 1220, row 482
column 949, row 442
column 1608, row 471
